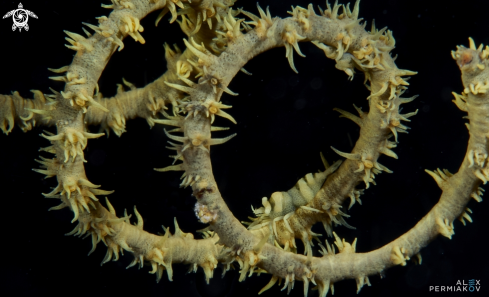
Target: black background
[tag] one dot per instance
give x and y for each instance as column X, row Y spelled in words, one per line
column 284, row 121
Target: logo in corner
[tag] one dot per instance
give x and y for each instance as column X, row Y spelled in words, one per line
column 20, row 17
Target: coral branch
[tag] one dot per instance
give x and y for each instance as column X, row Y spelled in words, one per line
column 282, row 118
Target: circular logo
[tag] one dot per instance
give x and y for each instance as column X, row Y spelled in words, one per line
column 20, row 17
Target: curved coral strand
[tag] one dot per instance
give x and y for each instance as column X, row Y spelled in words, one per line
column 160, row 251
column 75, row 190
column 113, row 112
column 386, row 87
column 182, row 69
column 331, row 268
column 469, row 157
column 68, row 112
column 280, row 263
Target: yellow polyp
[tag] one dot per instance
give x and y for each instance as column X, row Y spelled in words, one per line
column 368, row 164
column 269, row 285
column 472, row 44
column 445, row 227
column 197, row 141
column 398, row 257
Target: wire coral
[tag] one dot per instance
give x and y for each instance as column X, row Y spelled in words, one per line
column 265, row 120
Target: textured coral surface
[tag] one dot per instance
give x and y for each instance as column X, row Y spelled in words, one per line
column 284, row 120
